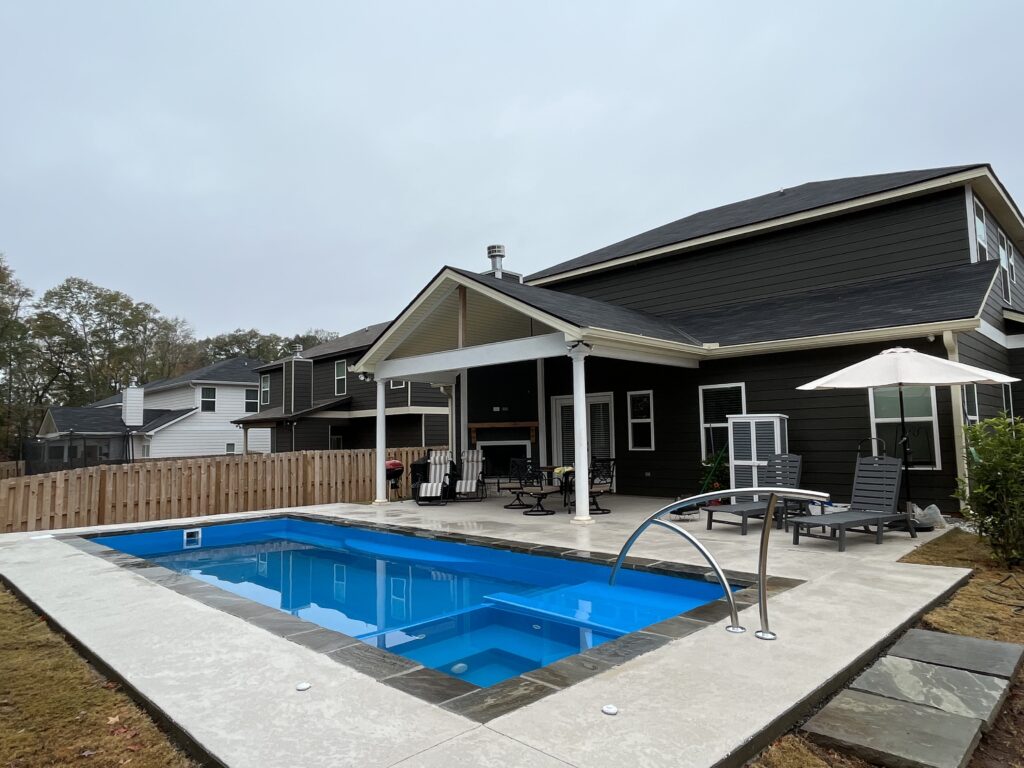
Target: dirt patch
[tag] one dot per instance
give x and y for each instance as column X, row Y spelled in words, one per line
column 55, row 710
column 984, row 607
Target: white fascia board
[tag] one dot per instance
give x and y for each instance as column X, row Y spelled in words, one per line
column 842, row 339
column 532, row 348
column 933, row 185
column 436, row 292
column 1017, row 317
column 639, row 355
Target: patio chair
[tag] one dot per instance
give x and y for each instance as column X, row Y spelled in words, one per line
column 517, row 471
column 535, row 486
column 874, row 501
column 470, row 485
column 781, row 471
column 435, row 490
column 602, row 476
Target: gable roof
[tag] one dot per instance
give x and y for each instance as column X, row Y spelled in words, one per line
column 583, row 312
column 87, row 419
column 935, row 296
column 241, row 370
column 756, row 210
column 350, row 342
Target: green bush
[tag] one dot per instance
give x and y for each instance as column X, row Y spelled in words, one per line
column 994, row 491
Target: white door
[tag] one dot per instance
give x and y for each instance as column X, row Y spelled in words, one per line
column 600, row 428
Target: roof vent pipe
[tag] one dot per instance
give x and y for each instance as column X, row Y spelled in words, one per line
column 296, row 350
column 496, row 253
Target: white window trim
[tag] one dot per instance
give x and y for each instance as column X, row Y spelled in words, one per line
column 207, row 400
column 700, row 404
column 397, row 384
column 970, row 418
column 631, row 421
column 934, row 419
column 343, row 378
column 265, row 389
column 230, row 446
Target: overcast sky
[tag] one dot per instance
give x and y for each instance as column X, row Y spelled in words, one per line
column 290, row 165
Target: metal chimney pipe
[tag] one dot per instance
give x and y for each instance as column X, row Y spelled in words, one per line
column 496, row 253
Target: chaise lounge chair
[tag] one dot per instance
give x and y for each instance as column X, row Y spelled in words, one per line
column 781, row 471
column 470, row 485
column 435, row 489
column 874, row 501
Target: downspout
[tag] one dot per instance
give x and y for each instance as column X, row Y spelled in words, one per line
column 949, row 339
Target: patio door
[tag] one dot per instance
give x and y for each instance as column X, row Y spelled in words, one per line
column 600, row 428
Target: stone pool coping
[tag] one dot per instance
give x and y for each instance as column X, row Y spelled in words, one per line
column 480, row 704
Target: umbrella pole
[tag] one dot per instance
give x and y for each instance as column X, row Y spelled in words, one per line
column 906, row 449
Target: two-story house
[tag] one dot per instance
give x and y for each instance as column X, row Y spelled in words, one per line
column 187, row 415
column 312, row 401
column 653, row 341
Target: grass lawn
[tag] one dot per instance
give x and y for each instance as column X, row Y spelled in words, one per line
column 975, row 611
column 55, row 710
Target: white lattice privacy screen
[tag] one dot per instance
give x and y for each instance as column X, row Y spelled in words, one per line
column 753, row 437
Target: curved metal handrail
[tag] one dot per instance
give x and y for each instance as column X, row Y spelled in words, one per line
column 676, row 506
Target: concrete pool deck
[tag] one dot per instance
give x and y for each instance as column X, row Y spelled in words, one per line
column 695, row 701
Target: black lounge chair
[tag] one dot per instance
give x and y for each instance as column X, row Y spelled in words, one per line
column 874, row 502
column 781, row 471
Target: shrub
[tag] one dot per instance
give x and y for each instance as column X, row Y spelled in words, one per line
column 994, row 491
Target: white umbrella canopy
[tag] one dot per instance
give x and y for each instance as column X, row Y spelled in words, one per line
column 900, row 365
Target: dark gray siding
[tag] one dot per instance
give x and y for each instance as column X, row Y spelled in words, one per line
column 503, row 392
column 303, row 383
column 286, row 387
column 824, row 427
column 396, row 398
column 429, row 395
column 435, row 429
column 898, row 239
column 1017, row 369
column 276, row 378
column 981, row 351
column 402, row 432
column 1016, row 288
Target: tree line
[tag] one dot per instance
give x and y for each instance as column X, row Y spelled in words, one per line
column 79, row 342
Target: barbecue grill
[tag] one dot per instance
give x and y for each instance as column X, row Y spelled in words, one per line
column 393, row 471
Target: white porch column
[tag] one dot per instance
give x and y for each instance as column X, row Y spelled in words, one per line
column 581, row 459
column 382, row 485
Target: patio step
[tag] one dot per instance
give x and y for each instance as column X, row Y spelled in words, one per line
column 925, row 704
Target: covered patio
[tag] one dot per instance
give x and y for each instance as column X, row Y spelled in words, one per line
column 462, row 323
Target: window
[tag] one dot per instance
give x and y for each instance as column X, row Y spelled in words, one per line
column 229, row 448
column 970, row 401
column 640, row 409
column 341, row 377
column 922, row 426
column 716, row 402
column 983, row 224
column 208, row 399
column 397, row 384
column 265, row 389
column 1013, row 262
column 980, row 233
column 252, row 400
column 334, row 437
column 145, row 450
column 1004, row 264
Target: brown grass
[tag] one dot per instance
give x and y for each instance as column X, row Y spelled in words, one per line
column 974, row 610
column 55, row 710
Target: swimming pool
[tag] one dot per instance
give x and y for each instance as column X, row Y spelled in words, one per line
column 479, row 614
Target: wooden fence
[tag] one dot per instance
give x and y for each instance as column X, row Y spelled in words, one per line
column 11, row 469
column 162, row 490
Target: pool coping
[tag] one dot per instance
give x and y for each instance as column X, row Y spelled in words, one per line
column 480, row 704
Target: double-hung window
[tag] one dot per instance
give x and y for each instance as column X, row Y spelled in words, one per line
column 922, row 424
column 252, row 404
column 640, row 409
column 341, row 377
column 717, row 401
column 208, row 399
column 265, row 389
column 969, row 392
column 984, row 225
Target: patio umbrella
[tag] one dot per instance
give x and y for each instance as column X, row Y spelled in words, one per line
column 899, row 367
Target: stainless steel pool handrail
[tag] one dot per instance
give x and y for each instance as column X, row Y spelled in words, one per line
column 762, row 565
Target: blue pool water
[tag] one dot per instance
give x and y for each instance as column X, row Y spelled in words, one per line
column 479, row 614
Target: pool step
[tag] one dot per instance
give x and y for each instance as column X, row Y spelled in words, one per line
column 595, row 605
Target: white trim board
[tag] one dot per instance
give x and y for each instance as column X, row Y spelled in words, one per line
column 1013, row 341
column 530, row 348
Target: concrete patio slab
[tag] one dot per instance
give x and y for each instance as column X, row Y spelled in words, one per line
column 952, row 690
column 894, row 733
column 230, row 684
column 988, row 657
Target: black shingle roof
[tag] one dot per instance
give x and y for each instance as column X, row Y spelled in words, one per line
column 277, row 413
column 108, row 420
column 350, row 342
column 799, row 199
column 952, row 293
column 236, row 369
column 583, row 312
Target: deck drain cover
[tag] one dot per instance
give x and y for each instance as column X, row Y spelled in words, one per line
column 610, row 709
column 303, row 687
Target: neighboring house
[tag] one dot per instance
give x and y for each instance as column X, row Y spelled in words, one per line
column 663, row 335
column 187, row 415
column 312, row 401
